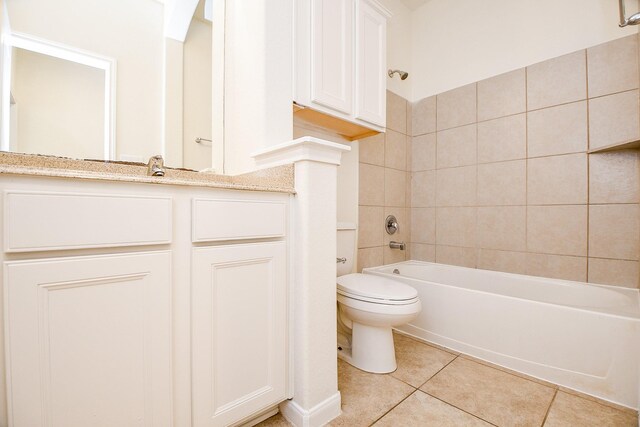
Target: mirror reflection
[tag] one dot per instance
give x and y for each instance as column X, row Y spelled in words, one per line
column 118, row 80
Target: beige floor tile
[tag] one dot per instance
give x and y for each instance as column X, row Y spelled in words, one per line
column 366, row 397
column 420, row 409
column 490, row 394
column 573, row 411
column 276, row 421
column 417, row 362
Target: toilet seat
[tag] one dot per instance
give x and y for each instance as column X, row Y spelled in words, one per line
column 375, row 289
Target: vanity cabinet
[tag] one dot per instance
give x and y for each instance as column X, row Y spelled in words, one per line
column 89, row 340
column 239, row 305
column 340, row 59
column 135, row 304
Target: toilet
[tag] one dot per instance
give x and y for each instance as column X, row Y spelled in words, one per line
column 369, row 306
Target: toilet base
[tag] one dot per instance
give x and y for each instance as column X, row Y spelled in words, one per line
column 371, row 349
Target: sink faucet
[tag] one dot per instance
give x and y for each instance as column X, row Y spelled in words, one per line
column 155, row 167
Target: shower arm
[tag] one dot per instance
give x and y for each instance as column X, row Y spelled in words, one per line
column 624, row 21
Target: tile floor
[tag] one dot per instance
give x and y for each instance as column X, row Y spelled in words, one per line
column 436, row 387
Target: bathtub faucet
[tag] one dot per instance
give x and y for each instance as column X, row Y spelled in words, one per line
column 397, row 245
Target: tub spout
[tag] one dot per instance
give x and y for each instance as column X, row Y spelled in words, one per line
column 397, row 245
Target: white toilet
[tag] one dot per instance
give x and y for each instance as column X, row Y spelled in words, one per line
column 368, row 307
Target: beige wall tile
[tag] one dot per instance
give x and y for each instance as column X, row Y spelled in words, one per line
column 371, row 186
column 395, row 150
column 559, row 230
column 557, row 130
column 613, row 66
column 404, row 222
column 423, row 225
column 452, row 255
column 371, row 150
column 409, row 156
column 423, row 189
column 422, row 252
column 614, row 231
column 424, row 116
column 395, row 187
column 369, row 257
column 456, row 107
column 456, row 186
column 391, row 256
column 557, row 267
column 456, row 227
column 503, row 183
column 423, row 149
column 557, row 180
column 614, row 177
column 614, row 272
column 396, row 113
column 613, row 119
column 457, row 147
column 557, row 81
column 509, row 262
column 502, row 95
column 370, row 226
column 502, row 228
column 502, row 139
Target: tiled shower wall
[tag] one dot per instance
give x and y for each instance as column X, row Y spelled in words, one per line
column 500, row 177
column 384, row 175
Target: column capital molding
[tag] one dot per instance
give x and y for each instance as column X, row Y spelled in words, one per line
column 307, row 148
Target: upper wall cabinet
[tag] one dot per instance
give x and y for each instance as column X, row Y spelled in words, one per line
column 341, row 59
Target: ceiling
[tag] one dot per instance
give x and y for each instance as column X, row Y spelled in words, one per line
column 413, row 4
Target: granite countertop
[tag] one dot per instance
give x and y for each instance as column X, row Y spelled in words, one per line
column 279, row 179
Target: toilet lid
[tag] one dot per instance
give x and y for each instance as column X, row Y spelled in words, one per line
column 374, row 287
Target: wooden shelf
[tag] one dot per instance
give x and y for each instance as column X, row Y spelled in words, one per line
column 624, row 145
column 348, row 130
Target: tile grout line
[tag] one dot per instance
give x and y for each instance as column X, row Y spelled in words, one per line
column 546, row 415
column 586, row 67
column 526, row 167
column 435, row 195
column 394, row 406
column 460, row 409
column 477, row 249
column 439, row 370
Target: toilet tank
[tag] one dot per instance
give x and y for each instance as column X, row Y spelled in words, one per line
column 346, row 240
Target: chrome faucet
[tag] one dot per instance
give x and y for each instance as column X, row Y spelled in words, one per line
column 397, row 245
column 155, row 167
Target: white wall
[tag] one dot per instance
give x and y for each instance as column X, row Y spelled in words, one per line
column 60, row 106
column 399, row 46
column 197, row 95
column 456, row 42
column 129, row 31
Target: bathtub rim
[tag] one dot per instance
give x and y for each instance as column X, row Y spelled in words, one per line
column 377, row 270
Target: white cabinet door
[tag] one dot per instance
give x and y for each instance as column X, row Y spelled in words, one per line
column 89, row 341
column 239, row 318
column 332, row 54
column 371, row 59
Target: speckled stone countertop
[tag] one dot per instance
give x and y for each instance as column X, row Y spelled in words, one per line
column 278, row 179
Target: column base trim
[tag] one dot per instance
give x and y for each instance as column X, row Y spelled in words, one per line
column 317, row 416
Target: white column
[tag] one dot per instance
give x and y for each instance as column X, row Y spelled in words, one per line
column 316, row 399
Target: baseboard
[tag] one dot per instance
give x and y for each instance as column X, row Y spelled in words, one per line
column 317, row 416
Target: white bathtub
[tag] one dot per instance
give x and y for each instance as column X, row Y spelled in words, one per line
column 582, row 336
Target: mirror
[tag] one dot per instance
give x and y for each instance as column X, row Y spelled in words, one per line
column 114, row 80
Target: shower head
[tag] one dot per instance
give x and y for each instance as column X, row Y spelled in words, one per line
column 624, row 21
column 403, row 74
column 632, row 20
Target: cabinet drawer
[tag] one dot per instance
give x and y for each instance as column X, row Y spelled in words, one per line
column 38, row 221
column 215, row 220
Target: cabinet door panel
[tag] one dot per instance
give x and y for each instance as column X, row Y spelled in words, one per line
column 89, row 341
column 371, row 36
column 239, row 331
column 331, row 54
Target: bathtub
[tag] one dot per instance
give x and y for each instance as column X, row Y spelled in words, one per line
column 582, row 336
